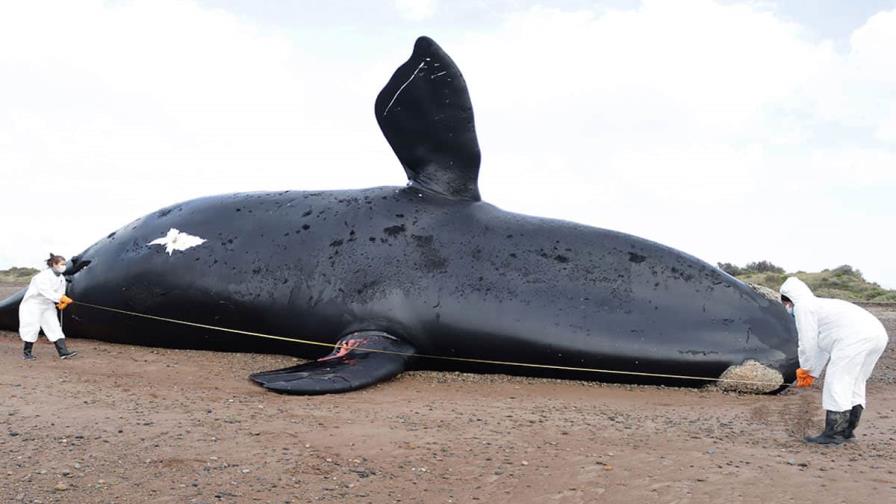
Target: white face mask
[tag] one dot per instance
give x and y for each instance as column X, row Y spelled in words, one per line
column 59, row 268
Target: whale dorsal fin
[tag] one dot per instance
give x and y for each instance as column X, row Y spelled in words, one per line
column 426, row 115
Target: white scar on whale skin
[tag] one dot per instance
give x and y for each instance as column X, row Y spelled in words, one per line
column 177, row 240
column 402, row 87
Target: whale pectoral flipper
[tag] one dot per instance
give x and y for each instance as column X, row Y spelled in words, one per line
column 361, row 359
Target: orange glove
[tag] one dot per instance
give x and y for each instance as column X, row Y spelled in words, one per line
column 803, row 378
column 64, row 301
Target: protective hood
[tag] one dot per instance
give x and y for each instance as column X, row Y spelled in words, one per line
column 796, row 290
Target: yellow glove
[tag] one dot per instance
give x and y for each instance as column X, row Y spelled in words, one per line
column 64, row 301
column 803, row 378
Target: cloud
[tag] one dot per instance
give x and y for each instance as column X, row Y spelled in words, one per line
column 871, row 77
column 416, row 10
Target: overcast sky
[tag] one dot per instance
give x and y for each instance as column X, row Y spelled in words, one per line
column 734, row 131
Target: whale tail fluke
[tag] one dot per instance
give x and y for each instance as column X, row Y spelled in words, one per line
column 426, row 115
column 9, row 311
column 360, row 360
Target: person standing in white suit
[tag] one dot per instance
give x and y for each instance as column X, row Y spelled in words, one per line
column 37, row 311
column 849, row 340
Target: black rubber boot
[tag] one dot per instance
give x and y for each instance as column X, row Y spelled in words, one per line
column 854, row 415
column 63, row 352
column 835, row 424
column 26, row 352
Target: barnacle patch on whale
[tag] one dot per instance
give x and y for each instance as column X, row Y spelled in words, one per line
column 177, row 240
column 750, row 377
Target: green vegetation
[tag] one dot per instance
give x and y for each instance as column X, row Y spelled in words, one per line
column 844, row 282
column 17, row 276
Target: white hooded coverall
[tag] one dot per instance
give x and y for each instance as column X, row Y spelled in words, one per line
column 38, row 308
column 851, row 337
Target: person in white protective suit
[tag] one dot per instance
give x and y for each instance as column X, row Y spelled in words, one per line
column 849, row 340
column 37, row 311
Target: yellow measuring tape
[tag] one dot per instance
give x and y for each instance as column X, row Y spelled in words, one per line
column 440, row 357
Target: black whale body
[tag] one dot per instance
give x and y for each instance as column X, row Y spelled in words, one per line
column 425, row 270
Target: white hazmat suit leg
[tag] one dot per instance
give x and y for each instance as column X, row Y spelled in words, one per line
column 50, row 324
column 871, row 358
column 844, row 371
column 29, row 323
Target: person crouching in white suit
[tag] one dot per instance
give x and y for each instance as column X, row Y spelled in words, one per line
column 847, row 335
column 37, row 311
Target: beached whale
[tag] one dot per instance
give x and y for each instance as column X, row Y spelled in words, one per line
column 426, row 269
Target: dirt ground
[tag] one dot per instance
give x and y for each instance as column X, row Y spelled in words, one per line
column 133, row 424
